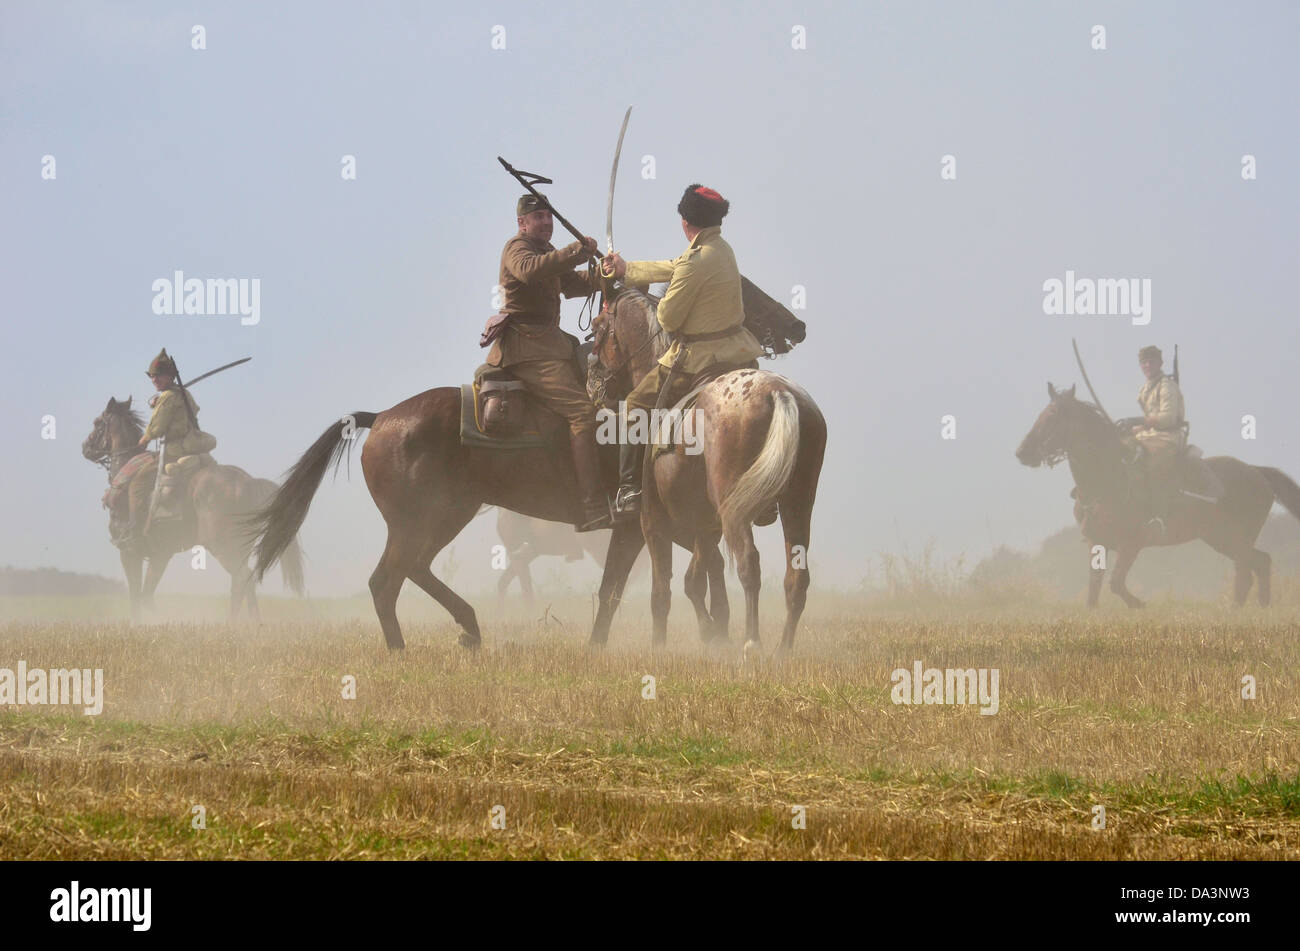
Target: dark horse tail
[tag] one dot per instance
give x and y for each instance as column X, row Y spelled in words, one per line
column 1284, row 488
column 278, row 523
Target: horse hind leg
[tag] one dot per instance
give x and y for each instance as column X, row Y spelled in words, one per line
column 696, row 583
column 740, row 541
column 395, row 564
column 719, row 606
column 421, row 573
column 796, row 523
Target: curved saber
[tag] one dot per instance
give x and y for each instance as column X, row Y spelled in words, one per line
column 1079, row 359
column 613, row 175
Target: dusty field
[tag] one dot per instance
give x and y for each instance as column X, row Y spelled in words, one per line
column 1140, row 714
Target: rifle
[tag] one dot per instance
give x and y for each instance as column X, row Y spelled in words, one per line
column 528, row 180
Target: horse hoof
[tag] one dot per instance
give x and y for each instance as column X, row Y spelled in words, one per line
column 753, row 651
column 469, row 643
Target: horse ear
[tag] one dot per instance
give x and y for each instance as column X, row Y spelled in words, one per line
column 1051, row 390
column 128, row 401
column 111, row 403
column 1070, row 391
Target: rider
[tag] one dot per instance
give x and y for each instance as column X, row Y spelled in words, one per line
column 702, row 311
column 175, row 416
column 1160, row 434
column 538, row 353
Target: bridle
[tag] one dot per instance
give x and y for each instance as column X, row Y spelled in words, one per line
column 598, row 383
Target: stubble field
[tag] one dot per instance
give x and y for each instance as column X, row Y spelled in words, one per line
column 1139, row 713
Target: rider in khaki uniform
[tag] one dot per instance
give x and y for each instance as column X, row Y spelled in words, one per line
column 1160, row 433
column 175, row 421
column 702, row 311
column 537, row 352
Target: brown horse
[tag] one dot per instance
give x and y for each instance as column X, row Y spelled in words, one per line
column 761, row 440
column 220, row 497
column 1111, row 513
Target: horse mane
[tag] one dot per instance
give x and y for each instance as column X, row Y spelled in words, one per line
column 132, row 416
column 649, row 307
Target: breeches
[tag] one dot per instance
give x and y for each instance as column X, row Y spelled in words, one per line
column 554, row 384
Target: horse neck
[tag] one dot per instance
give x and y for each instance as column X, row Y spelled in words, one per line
column 634, row 336
column 1095, row 454
column 125, row 435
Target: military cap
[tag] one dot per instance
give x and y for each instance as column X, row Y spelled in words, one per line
column 1151, row 351
column 530, row 203
column 162, row 364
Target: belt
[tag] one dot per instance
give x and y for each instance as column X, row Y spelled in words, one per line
column 714, row 335
column 529, row 319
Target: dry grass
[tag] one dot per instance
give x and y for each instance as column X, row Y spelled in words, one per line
column 1139, row 713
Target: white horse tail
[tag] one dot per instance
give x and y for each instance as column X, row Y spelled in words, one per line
column 767, row 477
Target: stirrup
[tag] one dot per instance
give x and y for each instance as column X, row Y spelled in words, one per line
column 628, row 500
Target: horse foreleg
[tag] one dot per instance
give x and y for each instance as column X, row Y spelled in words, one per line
column 157, row 565
column 1264, row 576
column 624, row 545
column 719, row 607
column 1095, row 577
column 1124, row 559
column 133, row 567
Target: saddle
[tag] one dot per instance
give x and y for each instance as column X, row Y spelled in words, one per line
column 659, row 445
column 496, row 412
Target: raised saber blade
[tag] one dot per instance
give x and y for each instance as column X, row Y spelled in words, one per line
column 613, row 176
column 217, row 370
column 1079, row 359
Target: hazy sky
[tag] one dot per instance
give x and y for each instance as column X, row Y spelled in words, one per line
column 924, row 295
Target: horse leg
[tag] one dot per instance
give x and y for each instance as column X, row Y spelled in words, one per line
column 133, row 566
column 661, row 595
column 1095, row 578
column 695, row 583
column 526, row 582
column 1124, row 558
column 395, row 564
column 719, row 608
column 624, row 545
column 746, row 555
column 241, row 582
column 1264, row 576
column 796, row 524
column 153, row 575
column 460, row 610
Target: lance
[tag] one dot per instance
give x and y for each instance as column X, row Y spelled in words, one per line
column 528, row 180
column 1088, row 382
column 1176, row 380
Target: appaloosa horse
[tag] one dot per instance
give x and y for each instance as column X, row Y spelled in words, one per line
column 1112, row 514
column 221, row 498
column 760, row 440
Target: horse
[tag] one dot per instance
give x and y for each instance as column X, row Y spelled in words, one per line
column 221, row 498
column 761, row 440
column 527, row 539
column 1111, row 513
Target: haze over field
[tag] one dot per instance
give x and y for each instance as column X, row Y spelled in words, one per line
column 924, row 295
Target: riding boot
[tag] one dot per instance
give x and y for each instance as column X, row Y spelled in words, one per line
column 631, row 457
column 586, row 465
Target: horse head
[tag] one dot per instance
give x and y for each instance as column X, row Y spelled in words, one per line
column 115, row 432
column 1048, row 440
